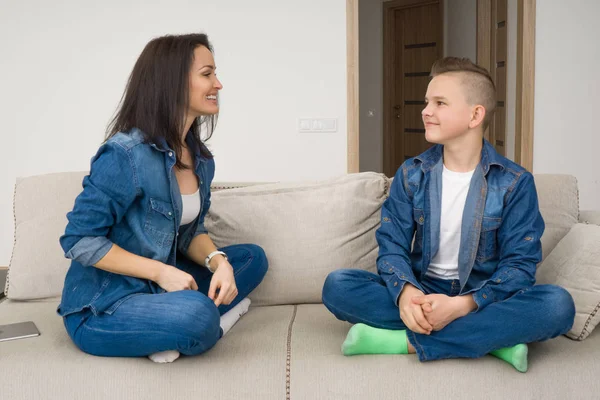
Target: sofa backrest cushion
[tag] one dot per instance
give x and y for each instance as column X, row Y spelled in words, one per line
column 558, row 197
column 306, row 229
column 38, row 265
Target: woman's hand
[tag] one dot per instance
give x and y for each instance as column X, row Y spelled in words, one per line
column 173, row 279
column 222, row 281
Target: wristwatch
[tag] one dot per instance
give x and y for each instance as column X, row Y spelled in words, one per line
column 210, row 256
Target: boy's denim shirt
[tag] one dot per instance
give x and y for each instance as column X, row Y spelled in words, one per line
column 500, row 243
column 130, row 198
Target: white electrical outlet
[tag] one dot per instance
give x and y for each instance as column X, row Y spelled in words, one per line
column 317, row 125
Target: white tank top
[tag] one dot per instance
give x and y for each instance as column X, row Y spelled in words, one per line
column 190, row 207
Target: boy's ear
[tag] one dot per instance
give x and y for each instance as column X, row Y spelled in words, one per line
column 477, row 116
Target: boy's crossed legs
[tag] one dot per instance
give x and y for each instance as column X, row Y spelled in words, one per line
column 533, row 314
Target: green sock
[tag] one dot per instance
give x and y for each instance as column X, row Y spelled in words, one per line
column 515, row 356
column 364, row 339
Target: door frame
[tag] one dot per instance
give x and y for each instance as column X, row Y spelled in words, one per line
column 525, row 93
column 525, row 77
column 352, row 85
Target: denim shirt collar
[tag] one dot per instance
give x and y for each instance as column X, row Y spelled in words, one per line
column 430, row 158
column 163, row 146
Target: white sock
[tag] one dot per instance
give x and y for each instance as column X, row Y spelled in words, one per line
column 227, row 321
column 232, row 316
column 167, row 356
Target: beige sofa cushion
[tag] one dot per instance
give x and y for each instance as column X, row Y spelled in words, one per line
column 558, row 369
column 248, row 363
column 306, row 229
column 41, row 203
column 559, row 204
column 575, row 265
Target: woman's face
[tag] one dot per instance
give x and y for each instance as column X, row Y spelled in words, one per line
column 204, row 84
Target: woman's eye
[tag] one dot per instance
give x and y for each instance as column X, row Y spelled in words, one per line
column 440, row 103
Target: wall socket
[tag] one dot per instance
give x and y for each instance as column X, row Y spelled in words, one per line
column 317, row 125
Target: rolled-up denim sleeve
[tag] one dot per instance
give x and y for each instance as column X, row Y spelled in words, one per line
column 395, row 238
column 108, row 192
column 520, row 247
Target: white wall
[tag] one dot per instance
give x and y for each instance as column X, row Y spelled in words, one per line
column 64, row 65
column 566, row 131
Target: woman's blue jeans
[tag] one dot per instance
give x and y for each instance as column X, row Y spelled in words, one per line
column 186, row 320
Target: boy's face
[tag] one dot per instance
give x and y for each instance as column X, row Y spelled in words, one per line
column 447, row 114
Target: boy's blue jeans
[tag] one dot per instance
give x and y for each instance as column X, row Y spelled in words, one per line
column 533, row 314
column 186, row 320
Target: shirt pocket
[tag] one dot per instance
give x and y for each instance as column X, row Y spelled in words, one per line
column 419, row 218
column 160, row 222
column 488, row 241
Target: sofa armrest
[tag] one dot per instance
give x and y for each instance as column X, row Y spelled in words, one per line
column 590, row 217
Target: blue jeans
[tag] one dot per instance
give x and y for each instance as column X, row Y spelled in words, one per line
column 533, row 314
column 186, row 320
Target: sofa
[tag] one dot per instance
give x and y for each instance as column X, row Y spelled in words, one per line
column 288, row 345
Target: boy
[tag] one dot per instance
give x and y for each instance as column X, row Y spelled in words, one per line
column 465, row 288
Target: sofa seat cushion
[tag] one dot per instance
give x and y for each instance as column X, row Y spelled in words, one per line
column 558, row 369
column 248, row 363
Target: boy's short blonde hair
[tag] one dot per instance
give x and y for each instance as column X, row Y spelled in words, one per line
column 478, row 84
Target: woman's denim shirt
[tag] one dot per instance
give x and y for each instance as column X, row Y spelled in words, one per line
column 502, row 226
column 130, row 198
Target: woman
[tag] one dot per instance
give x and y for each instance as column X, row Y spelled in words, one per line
column 145, row 278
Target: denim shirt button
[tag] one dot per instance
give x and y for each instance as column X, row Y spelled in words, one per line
column 421, row 219
column 391, row 269
column 170, row 213
column 170, row 154
column 395, row 283
column 485, row 296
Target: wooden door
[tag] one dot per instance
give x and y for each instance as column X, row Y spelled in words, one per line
column 492, row 52
column 497, row 135
column 414, row 42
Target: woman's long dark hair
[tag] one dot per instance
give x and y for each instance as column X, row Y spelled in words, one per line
column 156, row 97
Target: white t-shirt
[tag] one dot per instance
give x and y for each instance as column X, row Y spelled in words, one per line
column 191, row 207
column 455, row 187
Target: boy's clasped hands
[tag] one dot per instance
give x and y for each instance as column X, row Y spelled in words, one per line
column 426, row 313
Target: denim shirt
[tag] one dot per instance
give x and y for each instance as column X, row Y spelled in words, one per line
column 501, row 229
column 130, row 198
